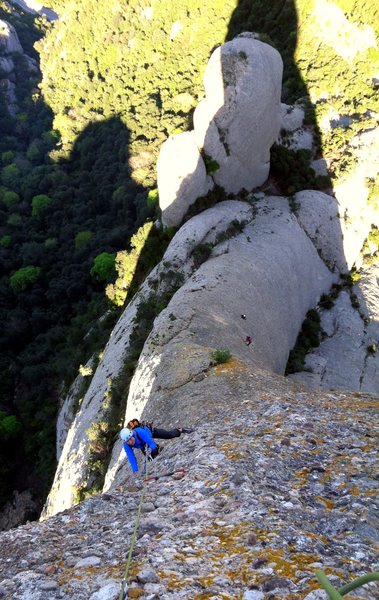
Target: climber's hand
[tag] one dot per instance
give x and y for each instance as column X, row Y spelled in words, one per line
column 154, row 453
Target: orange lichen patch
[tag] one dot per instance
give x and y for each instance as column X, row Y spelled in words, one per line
column 354, row 491
column 302, row 475
column 232, row 542
column 349, row 561
column 353, row 405
column 230, row 452
column 172, row 581
column 284, row 563
column 327, row 502
column 232, row 366
column 206, row 581
column 113, row 572
column 135, row 592
column 235, row 455
column 287, row 566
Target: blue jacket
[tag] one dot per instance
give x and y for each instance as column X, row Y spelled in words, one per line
column 142, row 439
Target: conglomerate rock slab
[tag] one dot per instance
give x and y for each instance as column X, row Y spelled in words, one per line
column 262, row 264
column 71, row 471
column 274, row 483
column 268, row 271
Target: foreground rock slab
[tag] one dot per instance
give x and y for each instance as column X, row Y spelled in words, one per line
column 278, row 482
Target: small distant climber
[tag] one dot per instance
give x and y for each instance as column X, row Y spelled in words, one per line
column 248, row 340
column 243, row 316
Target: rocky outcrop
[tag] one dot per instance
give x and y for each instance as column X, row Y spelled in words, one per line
column 21, row 508
column 10, row 45
column 347, row 39
column 294, row 134
column 9, row 42
column 319, row 215
column 262, row 264
column 357, row 213
column 182, row 176
column 35, row 7
column 239, row 119
column 234, row 127
column 348, row 357
column 66, row 413
column 275, row 483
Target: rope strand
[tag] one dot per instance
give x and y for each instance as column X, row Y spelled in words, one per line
column 134, row 536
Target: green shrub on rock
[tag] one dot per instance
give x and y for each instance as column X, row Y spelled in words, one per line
column 221, row 356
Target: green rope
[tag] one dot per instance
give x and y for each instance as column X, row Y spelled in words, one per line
column 358, row 582
column 337, row 594
column 134, row 536
column 325, row 583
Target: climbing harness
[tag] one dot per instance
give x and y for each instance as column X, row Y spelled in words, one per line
column 338, row 594
column 124, row 590
column 156, row 477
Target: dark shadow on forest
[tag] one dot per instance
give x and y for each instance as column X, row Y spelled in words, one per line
column 276, row 23
column 52, row 326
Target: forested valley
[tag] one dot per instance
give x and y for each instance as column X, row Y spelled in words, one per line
column 77, row 176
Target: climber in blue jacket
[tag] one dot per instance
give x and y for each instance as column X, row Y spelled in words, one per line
column 138, row 439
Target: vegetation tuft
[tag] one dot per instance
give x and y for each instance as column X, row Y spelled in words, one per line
column 221, row 356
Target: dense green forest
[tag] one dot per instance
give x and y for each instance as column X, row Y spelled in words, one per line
column 77, row 168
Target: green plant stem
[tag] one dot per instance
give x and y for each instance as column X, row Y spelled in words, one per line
column 345, row 589
column 358, row 582
column 325, row 583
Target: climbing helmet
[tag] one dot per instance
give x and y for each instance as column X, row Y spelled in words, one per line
column 125, row 434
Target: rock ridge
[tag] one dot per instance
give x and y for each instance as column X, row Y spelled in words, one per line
column 278, row 482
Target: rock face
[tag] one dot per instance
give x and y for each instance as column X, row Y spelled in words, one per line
column 182, row 177
column 262, row 264
column 348, row 358
column 21, row 508
column 36, row 7
column 270, row 272
column 239, row 119
column 262, row 261
column 319, row 215
column 235, row 126
column 9, row 45
column 347, row 39
column 277, row 483
column 9, row 41
column 356, row 211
